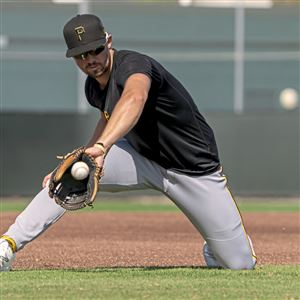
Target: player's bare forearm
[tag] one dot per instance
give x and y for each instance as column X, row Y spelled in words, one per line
column 124, row 116
column 98, row 131
column 128, row 110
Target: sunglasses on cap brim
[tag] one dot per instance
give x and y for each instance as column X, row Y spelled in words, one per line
column 94, row 52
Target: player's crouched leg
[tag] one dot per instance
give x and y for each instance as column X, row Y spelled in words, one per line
column 7, row 253
column 239, row 258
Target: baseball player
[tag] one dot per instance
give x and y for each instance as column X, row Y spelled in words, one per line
column 150, row 134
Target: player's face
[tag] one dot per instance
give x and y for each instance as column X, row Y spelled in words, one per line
column 95, row 63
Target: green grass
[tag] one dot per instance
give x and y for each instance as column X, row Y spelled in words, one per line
column 270, row 206
column 267, row 282
column 18, row 205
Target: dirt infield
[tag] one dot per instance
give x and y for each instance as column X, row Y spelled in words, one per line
column 102, row 239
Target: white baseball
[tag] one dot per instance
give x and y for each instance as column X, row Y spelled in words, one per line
column 80, row 170
column 289, row 99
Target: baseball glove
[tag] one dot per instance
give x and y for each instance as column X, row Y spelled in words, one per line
column 68, row 192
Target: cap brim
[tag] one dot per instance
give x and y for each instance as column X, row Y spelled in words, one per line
column 84, row 48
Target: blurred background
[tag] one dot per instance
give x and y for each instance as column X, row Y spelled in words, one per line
column 239, row 59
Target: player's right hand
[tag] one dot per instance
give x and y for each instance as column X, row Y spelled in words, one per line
column 97, row 154
column 47, row 177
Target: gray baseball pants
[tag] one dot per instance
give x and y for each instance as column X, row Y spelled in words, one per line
column 205, row 200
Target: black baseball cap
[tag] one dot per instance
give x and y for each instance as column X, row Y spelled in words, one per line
column 83, row 33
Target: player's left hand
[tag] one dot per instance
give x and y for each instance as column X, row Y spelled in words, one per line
column 69, row 192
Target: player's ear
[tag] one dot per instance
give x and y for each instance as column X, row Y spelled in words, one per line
column 109, row 40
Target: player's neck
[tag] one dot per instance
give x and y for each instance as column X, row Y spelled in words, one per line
column 104, row 78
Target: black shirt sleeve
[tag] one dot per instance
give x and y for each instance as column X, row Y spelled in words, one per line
column 133, row 63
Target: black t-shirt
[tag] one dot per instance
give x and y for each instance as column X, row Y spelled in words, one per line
column 170, row 131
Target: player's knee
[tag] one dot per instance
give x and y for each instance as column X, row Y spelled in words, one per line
column 241, row 259
column 244, row 261
column 245, row 258
column 243, row 265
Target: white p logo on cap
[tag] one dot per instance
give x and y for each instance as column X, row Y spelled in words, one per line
column 79, row 31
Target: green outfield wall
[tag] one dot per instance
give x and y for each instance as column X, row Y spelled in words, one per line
column 196, row 44
column 259, row 152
